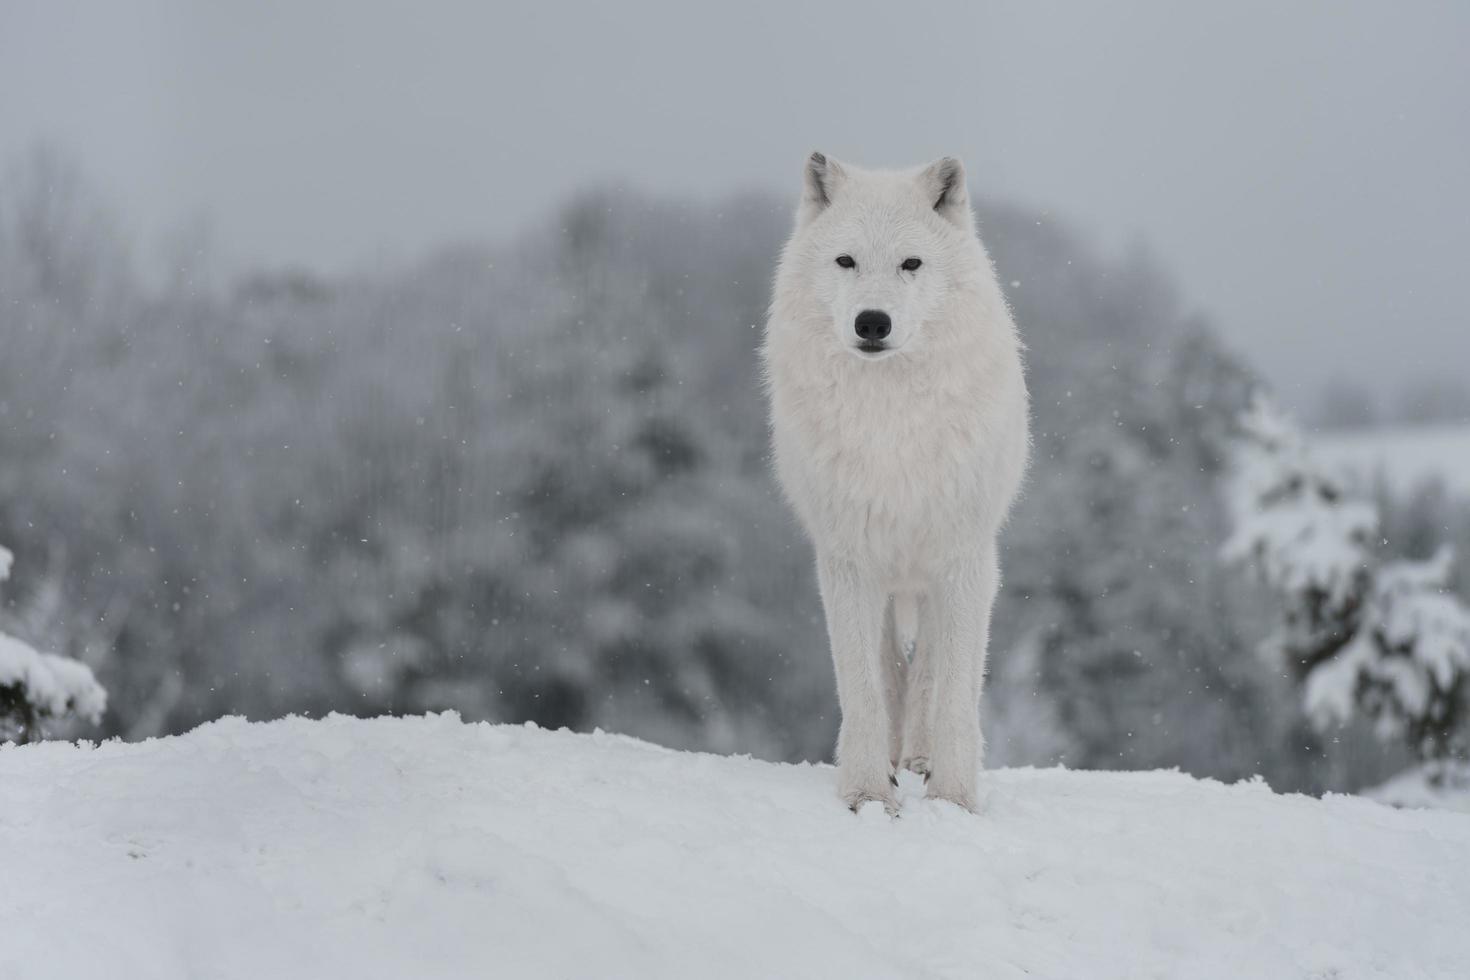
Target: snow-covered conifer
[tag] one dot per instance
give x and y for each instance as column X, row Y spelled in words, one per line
column 1362, row 633
column 39, row 688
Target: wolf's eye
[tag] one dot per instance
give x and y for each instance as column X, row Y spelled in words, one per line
column 846, row 261
column 909, row 265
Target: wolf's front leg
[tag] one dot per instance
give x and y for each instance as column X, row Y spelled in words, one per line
column 962, row 618
column 895, row 680
column 855, row 610
column 918, row 706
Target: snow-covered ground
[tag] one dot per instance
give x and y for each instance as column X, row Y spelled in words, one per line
column 1404, row 456
column 426, row 847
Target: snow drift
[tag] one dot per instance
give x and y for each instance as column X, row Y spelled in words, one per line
column 425, row 847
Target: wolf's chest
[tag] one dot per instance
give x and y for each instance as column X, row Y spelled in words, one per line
column 882, row 469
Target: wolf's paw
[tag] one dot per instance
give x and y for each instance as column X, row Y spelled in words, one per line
column 953, row 790
column 856, row 799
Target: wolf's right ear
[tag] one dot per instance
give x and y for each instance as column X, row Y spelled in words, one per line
column 823, row 176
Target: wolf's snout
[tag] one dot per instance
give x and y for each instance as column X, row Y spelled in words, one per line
column 872, row 325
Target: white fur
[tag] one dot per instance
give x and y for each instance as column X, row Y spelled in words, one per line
column 901, row 465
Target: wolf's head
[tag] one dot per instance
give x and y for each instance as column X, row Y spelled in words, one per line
column 881, row 250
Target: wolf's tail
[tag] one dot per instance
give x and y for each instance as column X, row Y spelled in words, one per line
column 906, row 623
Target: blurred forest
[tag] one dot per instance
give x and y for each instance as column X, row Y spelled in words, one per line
column 528, row 481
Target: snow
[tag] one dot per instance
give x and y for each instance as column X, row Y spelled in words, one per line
column 426, row 847
column 1404, row 456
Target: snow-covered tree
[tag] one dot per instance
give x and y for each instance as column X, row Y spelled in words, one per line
column 41, row 688
column 1363, row 633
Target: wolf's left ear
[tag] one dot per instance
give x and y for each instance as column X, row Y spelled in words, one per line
column 943, row 182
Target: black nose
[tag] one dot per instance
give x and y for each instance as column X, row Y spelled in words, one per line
column 872, row 325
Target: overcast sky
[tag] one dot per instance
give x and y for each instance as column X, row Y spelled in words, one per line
column 1302, row 168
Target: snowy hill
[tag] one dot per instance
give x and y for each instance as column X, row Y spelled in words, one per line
column 1404, row 456
column 425, row 847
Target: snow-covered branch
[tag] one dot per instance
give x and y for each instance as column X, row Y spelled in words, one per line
column 40, row 688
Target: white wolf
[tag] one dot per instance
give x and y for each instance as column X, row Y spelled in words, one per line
column 899, row 420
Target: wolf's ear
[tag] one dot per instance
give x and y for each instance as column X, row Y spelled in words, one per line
column 822, row 177
column 943, row 182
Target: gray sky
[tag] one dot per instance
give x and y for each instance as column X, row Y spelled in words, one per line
column 1302, row 167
